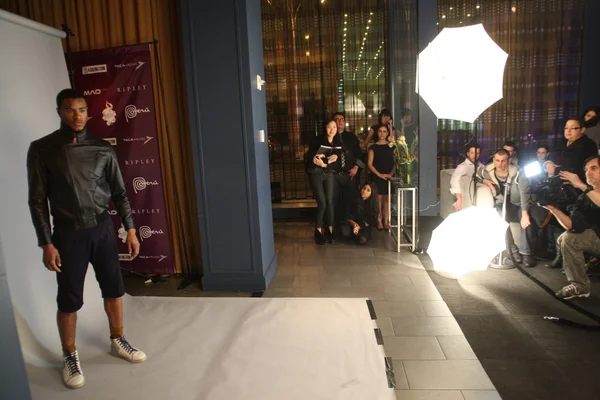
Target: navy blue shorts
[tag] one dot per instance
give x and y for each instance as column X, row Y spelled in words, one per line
column 77, row 249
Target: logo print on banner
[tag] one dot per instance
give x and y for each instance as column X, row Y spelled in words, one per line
column 111, row 140
column 92, row 92
column 140, row 184
column 125, row 89
column 146, row 232
column 159, row 258
column 94, row 69
column 132, row 111
column 132, row 64
column 139, row 139
column 109, row 115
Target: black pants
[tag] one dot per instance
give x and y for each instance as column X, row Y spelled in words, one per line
column 77, row 249
column 324, row 187
column 363, row 236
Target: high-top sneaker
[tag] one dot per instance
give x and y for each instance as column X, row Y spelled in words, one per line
column 120, row 347
column 72, row 373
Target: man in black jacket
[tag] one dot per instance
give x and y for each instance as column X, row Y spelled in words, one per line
column 582, row 229
column 348, row 180
column 78, row 175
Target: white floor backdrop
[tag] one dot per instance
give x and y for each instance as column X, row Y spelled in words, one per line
column 197, row 348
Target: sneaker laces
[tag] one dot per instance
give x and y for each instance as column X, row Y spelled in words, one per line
column 72, row 361
column 125, row 345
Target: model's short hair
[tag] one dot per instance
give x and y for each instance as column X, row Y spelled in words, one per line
column 68, row 94
column 335, row 114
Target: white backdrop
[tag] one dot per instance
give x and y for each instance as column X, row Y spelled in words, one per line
column 32, row 71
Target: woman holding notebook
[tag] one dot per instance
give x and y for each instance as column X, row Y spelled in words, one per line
column 324, row 159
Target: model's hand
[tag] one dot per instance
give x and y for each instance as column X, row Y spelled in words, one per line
column 133, row 244
column 353, row 171
column 332, row 158
column 51, row 258
column 356, row 228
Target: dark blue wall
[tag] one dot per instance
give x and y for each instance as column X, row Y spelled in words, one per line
column 223, row 50
column 13, row 378
column 589, row 93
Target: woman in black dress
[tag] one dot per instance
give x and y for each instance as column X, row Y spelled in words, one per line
column 361, row 215
column 382, row 166
column 323, row 164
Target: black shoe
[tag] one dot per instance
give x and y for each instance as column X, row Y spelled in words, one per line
column 517, row 256
column 319, row 238
column 328, row 236
column 529, row 261
column 557, row 263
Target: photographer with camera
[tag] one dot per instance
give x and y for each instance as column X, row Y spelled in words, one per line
column 582, row 226
column 497, row 176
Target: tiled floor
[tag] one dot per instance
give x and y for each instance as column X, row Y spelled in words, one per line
column 449, row 339
column 432, row 359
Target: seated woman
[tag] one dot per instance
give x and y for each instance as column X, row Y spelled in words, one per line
column 361, row 215
column 382, row 166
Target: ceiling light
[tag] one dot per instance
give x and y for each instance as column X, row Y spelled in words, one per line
column 306, row 37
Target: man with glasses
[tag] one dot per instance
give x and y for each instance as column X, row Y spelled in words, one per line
column 577, row 149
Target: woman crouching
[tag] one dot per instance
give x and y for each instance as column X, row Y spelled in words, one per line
column 361, row 215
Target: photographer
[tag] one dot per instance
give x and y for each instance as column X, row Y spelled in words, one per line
column 497, row 176
column 582, row 229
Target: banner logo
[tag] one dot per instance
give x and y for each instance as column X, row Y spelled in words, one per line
column 94, row 69
column 140, row 184
column 124, row 257
column 111, row 140
column 125, row 89
column 147, row 233
column 109, row 115
column 159, row 258
column 92, row 92
column 139, row 139
column 137, row 65
column 132, row 111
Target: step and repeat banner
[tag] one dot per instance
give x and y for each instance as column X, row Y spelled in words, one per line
column 117, row 83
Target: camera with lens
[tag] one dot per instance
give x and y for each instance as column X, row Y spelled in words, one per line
column 553, row 191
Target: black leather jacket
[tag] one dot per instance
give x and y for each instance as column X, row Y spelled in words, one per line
column 78, row 179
